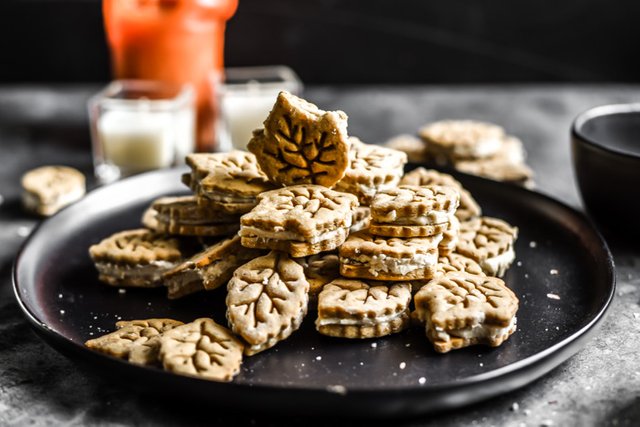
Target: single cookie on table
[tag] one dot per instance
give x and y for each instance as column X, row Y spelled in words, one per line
column 451, row 140
column 209, row 269
column 468, row 207
column 498, row 169
column 413, row 211
column 489, row 242
column 227, row 181
column 301, row 220
column 47, row 189
column 301, row 144
column 412, row 146
column 372, row 168
column 267, row 300
column 358, row 309
column 183, row 216
column 462, row 309
column 361, row 219
column 135, row 258
column 319, row 270
column 201, row 349
column 135, row 340
column 449, row 237
column 366, row 256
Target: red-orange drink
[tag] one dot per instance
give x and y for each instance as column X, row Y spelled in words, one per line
column 178, row 41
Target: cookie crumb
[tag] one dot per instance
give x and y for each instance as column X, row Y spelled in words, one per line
column 533, row 244
column 408, row 344
column 526, row 275
column 23, row 231
column 553, row 296
column 374, row 345
column 403, row 365
column 318, row 357
column 515, row 407
column 122, row 291
column 422, row 380
column 553, row 272
column 481, row 364
column 59, row 296
column 519, row 263
column 338, row 389
column 62, row 312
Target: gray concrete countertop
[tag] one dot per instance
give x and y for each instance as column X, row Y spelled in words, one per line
column 47, row 125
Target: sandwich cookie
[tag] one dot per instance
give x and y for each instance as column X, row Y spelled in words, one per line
column 301, row 220
column 489, row 242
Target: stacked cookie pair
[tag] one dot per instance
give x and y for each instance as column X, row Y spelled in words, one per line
column 473, row 147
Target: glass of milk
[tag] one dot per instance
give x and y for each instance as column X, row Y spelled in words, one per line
column 246, row 98
column 140, row 125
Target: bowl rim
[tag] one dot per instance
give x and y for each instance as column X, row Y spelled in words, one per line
column 599, row 111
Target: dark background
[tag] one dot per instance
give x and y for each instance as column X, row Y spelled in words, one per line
column 359, row 41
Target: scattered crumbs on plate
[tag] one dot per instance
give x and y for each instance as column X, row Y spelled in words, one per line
column 422, row 380
column 408, row 344
column 557, row 328
column 122, row 291
column 90, row 334
column 313, row 348
column 95, row 317
column 519, row 263
column 403, row 365
column 526, row 275
column 62, row 311
column 23, row 231
column 553, row 296
column 481, row 364
column 553, row 272
column 60, row 296
column 302, row 365
column 318, row 357
column 374, row 344
column 515, row 406
column 533, row 244
column 361, row 363
column 338, row 389
column 149, row 303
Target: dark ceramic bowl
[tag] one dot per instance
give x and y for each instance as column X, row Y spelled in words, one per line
column 606, row 160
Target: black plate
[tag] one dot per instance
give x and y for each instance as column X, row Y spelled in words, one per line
column 57, row 287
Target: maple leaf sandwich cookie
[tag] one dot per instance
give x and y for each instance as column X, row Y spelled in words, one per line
column 48, row 189
column 372, row 168
column 359, row 309
column 228, row 181
column 184, row 216
column 301, row 144
column 461, row 309
column 366, row 256
column 135, row 258
column 489, row 242
column 301, row 220
column 412, row 211
column 208, row 269
column 468, row 207
column 267, row 300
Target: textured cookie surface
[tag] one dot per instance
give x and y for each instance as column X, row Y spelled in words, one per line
column 357, row 309
column 461, row 309
column 266, row 300
column 201, row 348
column 301, row 144
column 138, row 246
column 489, row 241
column 48, row 189
column 468, row 207
column 372, row 168
column 135, row 340
column 455, row 262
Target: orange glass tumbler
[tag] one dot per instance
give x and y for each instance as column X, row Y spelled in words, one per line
column 176, row 41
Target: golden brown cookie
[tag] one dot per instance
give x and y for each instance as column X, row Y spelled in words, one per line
column 372, row 168
column 48, row 189
column 358, row 309
column 184, row 216
column 135, row 258
column 413, row 147
column 202, row 349
column 451, row 140
column 226, row 181
column 462, row 309
column 266, row 300
column 468, row 207
column 135, row 340
column 301, row 220
column 489, row 242
column 209, row 269
column 301, row 144
column 366, row 256
column 413, row 211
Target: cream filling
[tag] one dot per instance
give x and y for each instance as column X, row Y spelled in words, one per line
column 386, row 264
column 499, row 263
column 279, row 233
column 153, row 269
column 367, row 321
column 33, row 202
column 482, row 148
column 431, row 218
column 475, row 331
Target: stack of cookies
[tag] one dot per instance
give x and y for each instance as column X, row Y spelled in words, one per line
column 473, row 147
column 310, row 218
